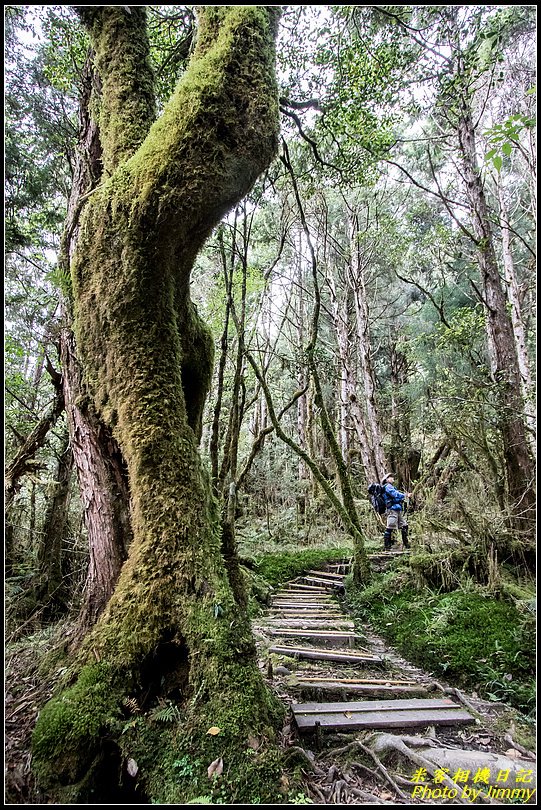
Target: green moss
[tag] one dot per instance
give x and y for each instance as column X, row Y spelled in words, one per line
column 125, row 107
column 468, row 636
column 69, row 728
column 173, row 761
column 278, row 568
column 147, row 360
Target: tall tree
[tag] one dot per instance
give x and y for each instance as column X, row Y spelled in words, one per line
column 172, row 625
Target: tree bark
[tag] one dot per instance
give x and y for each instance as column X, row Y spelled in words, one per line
column 99, row 465
column 172, row 626
column 103, row 489
column 373, row 431
column 505, row 370
column 52, row 591
column 519, row 331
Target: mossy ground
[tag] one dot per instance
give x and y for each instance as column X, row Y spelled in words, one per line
column 278, row 568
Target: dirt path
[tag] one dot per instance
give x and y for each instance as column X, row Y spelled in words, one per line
column 475, row 760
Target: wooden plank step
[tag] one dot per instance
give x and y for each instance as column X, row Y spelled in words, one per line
column 406, row 718
column 315, row 654
column 360, row 688
column 322, row 624
column 374, row 706
column 380, row 681
column 300, row 613
column 336, row 637
column 299, row 586
column 304, row 608
column 319, row 593
column 325, row 575
column 403, row 713
column 327, row 584
column 303, row 598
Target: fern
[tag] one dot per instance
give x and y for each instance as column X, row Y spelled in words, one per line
column 168, row 713
column 132, row 705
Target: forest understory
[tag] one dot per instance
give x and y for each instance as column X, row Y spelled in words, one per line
column 363, row 767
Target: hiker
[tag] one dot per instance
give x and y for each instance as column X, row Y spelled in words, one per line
column 395, row 515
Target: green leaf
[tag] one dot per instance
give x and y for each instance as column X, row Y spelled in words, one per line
column 498, row 163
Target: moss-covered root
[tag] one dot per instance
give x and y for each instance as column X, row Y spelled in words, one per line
column 222, row 745
column 233, row 735
column 66, row 739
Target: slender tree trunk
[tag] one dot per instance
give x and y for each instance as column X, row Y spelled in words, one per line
column 375, row 439
column 23, row 463
column 302, row 403
column 519, row 331
column 52, row 592
column 505, row 369
column 400, row 427
column 224, row 348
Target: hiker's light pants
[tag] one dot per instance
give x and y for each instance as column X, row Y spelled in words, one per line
column 395, row 519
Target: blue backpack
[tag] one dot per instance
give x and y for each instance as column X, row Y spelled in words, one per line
column 376, row 493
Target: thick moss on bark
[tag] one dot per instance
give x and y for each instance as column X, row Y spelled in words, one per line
column 172, row 627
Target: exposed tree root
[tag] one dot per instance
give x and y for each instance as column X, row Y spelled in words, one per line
column 520, row 748
column 433, row 759
column 451, row 690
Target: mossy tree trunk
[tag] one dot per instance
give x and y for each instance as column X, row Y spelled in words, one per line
column 51, row 587
column 172, row 628
column 101, row 473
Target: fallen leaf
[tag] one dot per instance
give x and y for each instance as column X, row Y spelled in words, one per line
column 132, row 767
column 214, row 730
column 253, row 742
column 215, row 768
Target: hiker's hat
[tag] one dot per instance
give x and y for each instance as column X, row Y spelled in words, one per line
column 386, row 476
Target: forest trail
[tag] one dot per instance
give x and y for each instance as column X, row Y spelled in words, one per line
column 365, row 725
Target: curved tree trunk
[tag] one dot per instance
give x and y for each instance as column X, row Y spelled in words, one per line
column 172, row 627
